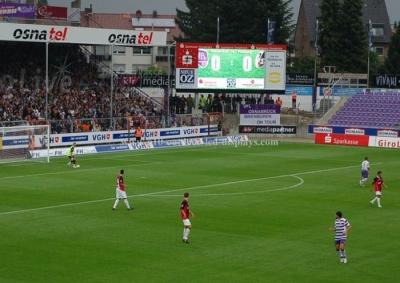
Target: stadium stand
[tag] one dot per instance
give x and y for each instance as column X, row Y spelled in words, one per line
column 81, row 104
column 378, row 110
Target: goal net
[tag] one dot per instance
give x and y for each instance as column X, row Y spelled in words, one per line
column 21, row 143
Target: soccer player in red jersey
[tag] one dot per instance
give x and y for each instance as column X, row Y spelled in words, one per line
column 377, row 186
column 120, row 191
column 185, row 215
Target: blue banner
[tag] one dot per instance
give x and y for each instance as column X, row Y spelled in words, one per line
column 299, row 90
column 169, row 133
column 75, row 138
column 212, row 130
column 167, row 143
column 10, row 142
column 110, row 148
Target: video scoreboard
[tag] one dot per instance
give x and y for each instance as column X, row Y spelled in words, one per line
column 206, row 67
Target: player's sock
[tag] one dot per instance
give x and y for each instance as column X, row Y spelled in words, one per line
column 127, row 204
column 378, row 200
column 344, row 257
column 184, row 237
column 187, row 233
column 116, row 203
column 338, row 252
column 373, row 201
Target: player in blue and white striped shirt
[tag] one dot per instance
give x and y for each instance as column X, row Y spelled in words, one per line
column 341, row 229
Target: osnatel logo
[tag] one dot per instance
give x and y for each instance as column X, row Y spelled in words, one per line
column 35, row 34
column 121, row 38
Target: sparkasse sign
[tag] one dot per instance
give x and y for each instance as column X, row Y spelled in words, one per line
column 80, row 35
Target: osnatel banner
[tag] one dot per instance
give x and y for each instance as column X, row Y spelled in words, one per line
column 79, row 35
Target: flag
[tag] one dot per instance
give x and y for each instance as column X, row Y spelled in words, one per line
column 370, row 34
column 316, row 37
column 271, row 28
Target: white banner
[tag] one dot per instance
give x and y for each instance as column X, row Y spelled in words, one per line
column 384, row 142
column 80, row 35
column 186, row 78
column 260, row 119
column 54, row 152
column 275, row 78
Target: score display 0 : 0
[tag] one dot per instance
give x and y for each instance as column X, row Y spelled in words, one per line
column 247, row 63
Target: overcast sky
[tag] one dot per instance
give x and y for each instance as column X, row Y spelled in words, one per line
column 169, row 6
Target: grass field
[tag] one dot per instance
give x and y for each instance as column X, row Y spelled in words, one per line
column 262, row 215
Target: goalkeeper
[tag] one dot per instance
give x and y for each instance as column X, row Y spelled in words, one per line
column 71, row 156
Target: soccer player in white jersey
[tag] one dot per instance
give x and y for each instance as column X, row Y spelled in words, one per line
column 120, row 191
column 342, row 228
column 364, row 172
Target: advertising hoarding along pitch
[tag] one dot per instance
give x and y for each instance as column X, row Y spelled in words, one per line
column 79, row 35
column 230, row 67
column 270, row 130
column 340, row 139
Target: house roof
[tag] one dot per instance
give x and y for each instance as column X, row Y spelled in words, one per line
column 374, row 10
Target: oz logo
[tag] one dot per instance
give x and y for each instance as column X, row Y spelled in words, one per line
column 186, row 76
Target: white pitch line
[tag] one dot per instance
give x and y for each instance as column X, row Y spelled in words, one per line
column 243, row 193
column 178, row 190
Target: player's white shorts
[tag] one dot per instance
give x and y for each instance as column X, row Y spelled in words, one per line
column 186, row 222
column 378, row 193
column 120, row 194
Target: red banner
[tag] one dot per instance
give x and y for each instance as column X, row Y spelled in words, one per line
column 52, row 12
column 341, row 139
column 187, row 56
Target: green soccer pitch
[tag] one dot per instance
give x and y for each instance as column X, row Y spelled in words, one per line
column 262, row 215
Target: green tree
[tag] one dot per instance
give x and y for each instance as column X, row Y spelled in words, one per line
column 240, row 21
column 304, row 65
column 354, row 46
column 329, row 39
column 375, row 65
column 330, row 33
column 392, row 62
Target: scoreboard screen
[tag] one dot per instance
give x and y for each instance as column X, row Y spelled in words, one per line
column 232, row 68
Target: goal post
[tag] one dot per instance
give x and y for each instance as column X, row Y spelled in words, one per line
column 20, row 143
